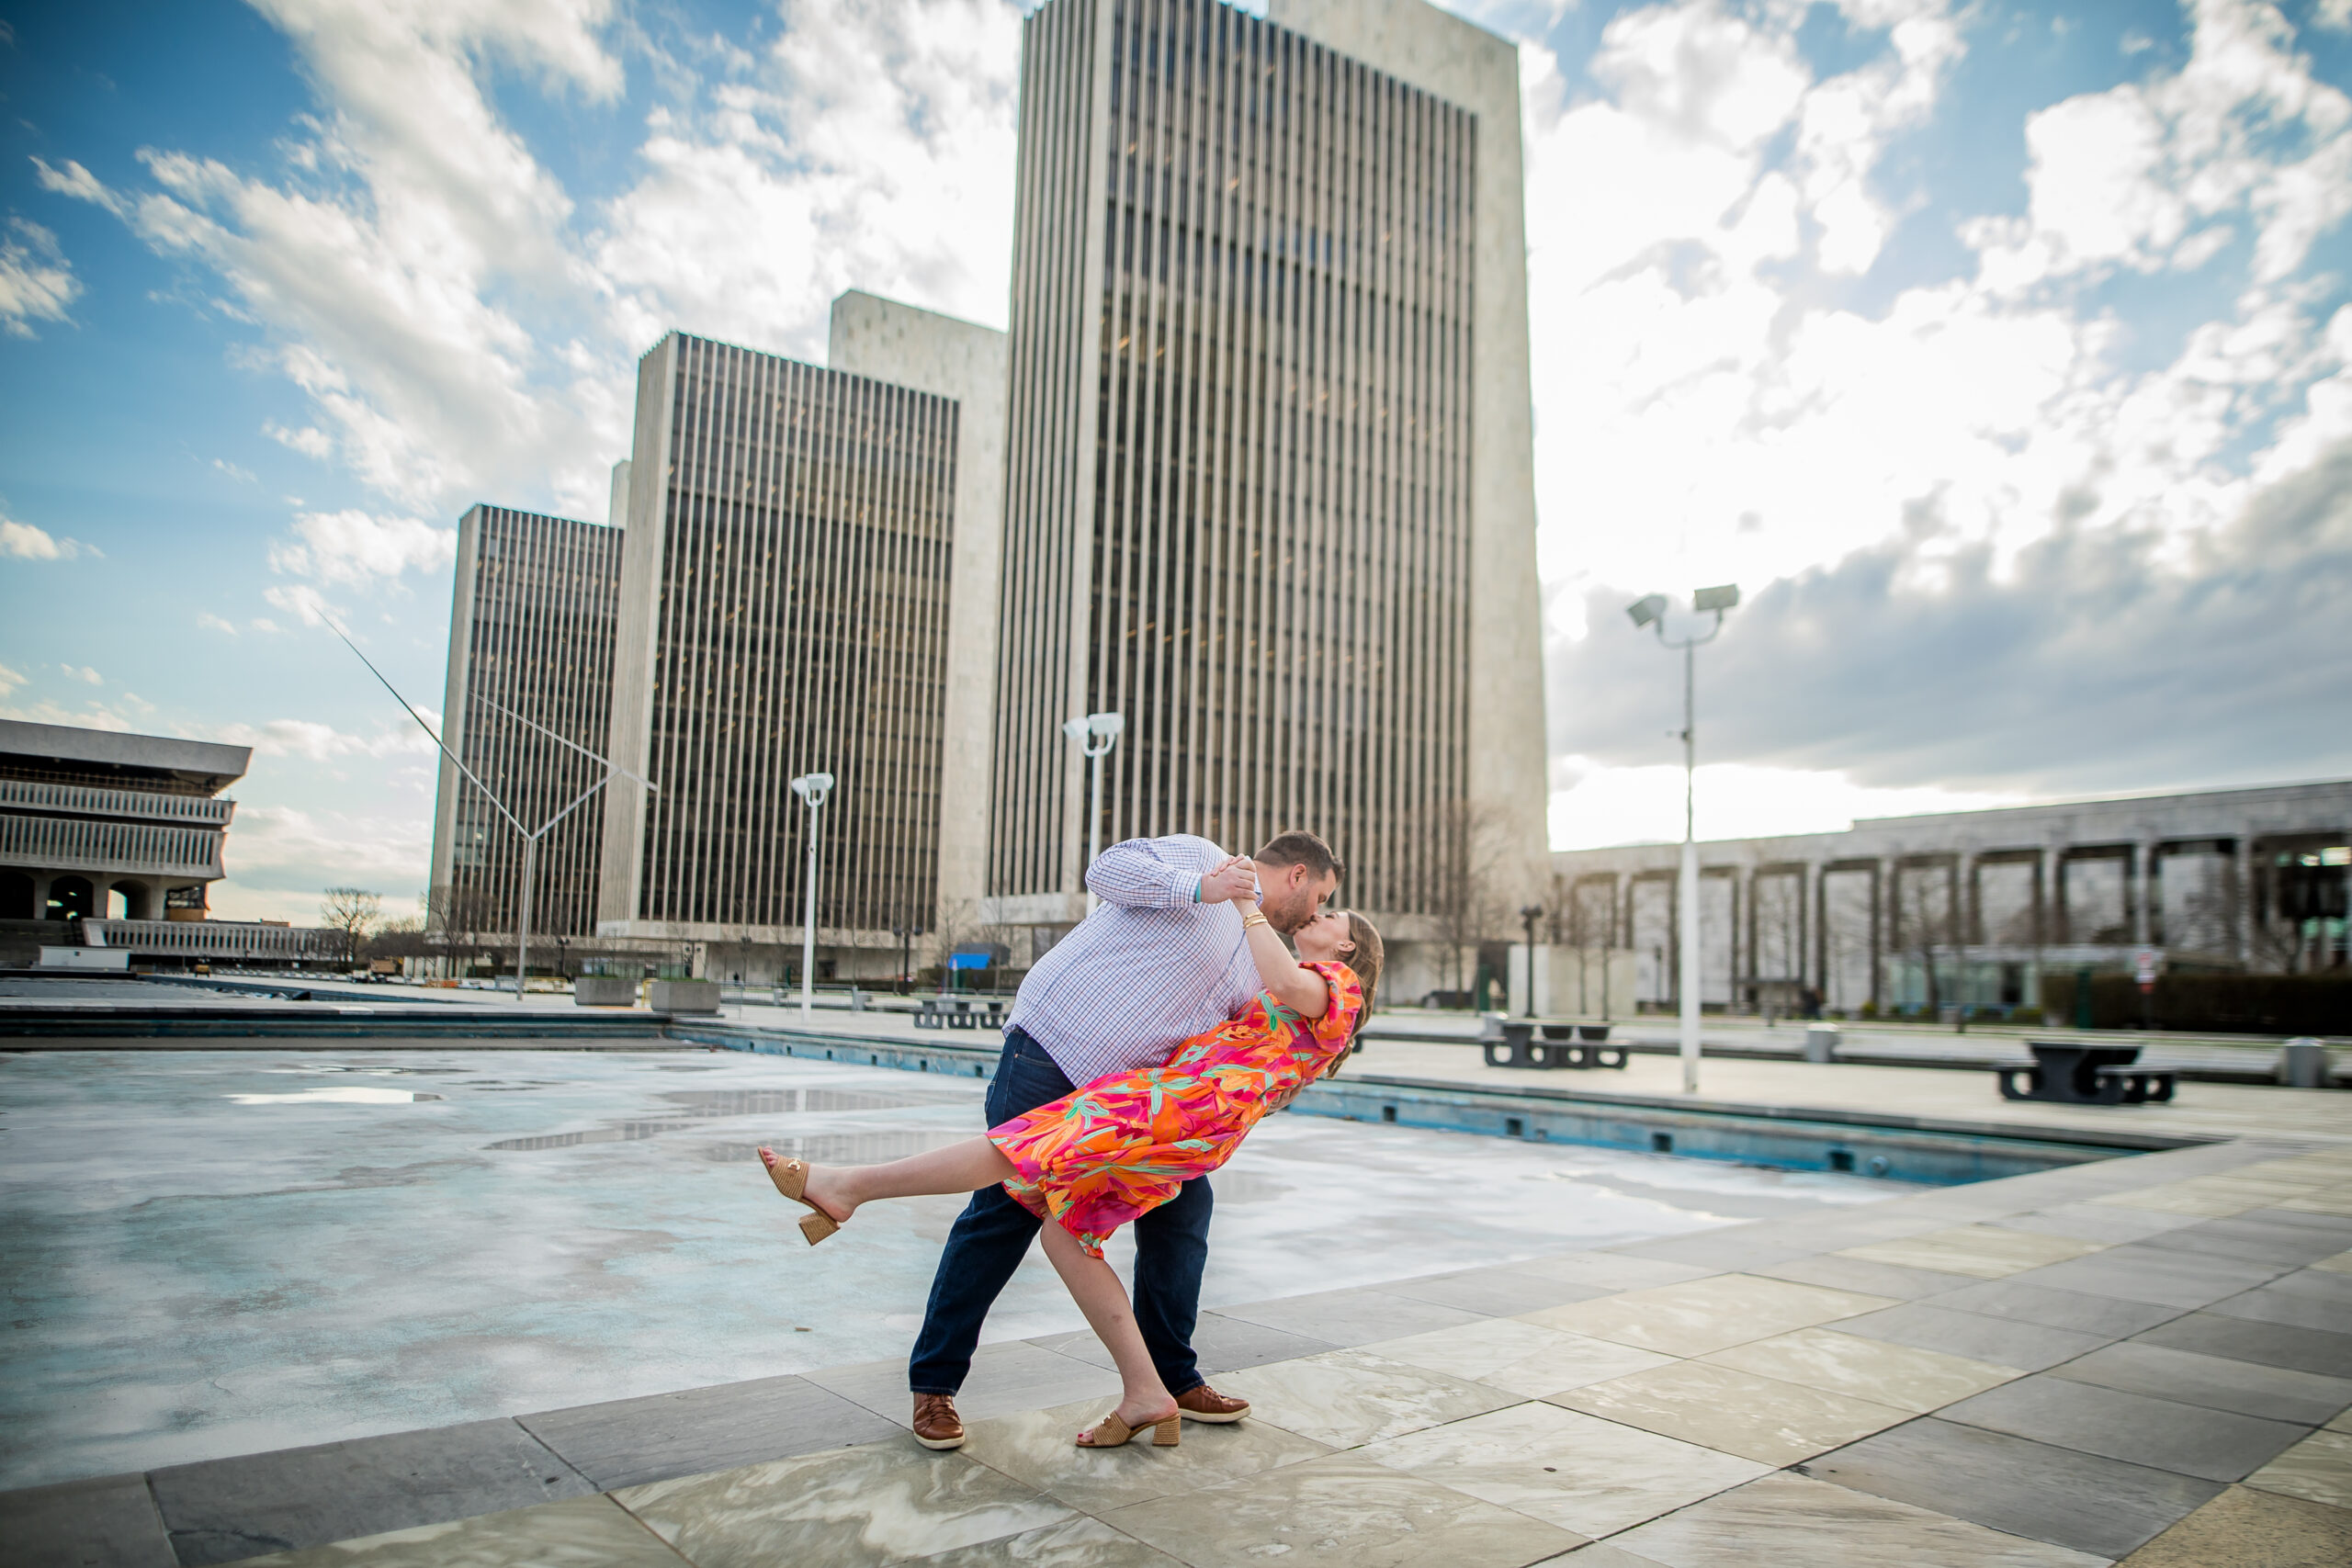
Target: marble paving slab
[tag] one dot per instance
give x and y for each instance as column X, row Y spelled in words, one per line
column 1713, row 1313
column 1074, row 1543
column 1734, row 1412
column 2108, row 1317
column 2255, row 1236
column 2215, row 1382
column 221, row 1510
column 2271, row 1344
column 2295, row 1304
column 1220, row 1344
column 1984, row 1252
column 1500, row 1289
column 1037, row 1449
column 2029, row 1347
column 2099, row 1505
column 2098, row 1222
column 1343, row 1398
column 107, row 1519
column 1352, row 1317
column 1005, row 1378
column 1519, row 1357
column 579, row 1532
column 1790, row 1520
column 1614, row 1271
column 1839, row 1272
column 1346, row 1511
column 2319, row 1468
column 627, row 1441
column 1567, row 1468
column 1901, row 1375
column 2339, row 1264
column 2245, row 1529
column 2187, row 1440
column 848, row 1509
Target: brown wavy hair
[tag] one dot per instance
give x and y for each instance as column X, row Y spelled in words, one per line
column 1366, row 962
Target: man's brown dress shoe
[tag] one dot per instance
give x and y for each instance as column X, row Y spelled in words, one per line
column 1202, row 1402
column 938, row 1427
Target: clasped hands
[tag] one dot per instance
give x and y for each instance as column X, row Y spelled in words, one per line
column 1235, row 880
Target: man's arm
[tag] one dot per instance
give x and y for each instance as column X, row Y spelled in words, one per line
column 1151, row 873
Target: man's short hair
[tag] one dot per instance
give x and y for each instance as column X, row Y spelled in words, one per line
column 1301, row 848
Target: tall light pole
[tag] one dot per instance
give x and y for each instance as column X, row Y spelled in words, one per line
column 1650, row 611
column 1096, row 733
column 531, row 836
column 1528, row 915
column 811, row 788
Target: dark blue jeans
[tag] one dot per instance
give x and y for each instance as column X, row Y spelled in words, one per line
column 993, row 1233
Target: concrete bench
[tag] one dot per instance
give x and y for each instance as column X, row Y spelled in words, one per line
column 959, row 1012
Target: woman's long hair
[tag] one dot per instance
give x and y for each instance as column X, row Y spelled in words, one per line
column 1366, row 961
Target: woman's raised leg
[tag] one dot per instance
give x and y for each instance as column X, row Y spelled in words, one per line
column 1143, row 1398
column 965, row 1167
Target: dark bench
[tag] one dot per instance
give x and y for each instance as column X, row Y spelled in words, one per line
column 959, row 1012
column 1512, row 1043
column 2085, row 1074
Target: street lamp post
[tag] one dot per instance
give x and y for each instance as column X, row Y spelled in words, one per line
column 530, row 836
column 1650, row 611
column 1528, row 915
column 811, row 788
column 1097, row 733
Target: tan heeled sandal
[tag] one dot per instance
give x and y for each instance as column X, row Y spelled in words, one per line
column 791, row 1179
column 1111, row 1432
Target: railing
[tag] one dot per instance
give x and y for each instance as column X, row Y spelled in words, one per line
column 214, row 939
column 64, row 843
column 207, row 811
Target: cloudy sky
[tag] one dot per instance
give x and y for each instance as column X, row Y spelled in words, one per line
column 2002, row 353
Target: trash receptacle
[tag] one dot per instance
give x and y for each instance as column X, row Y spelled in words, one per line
column 2303, row 1064
column 1820, row 1042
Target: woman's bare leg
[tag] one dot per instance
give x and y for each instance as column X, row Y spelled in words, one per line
column 965, row 1167
column 1143, row 1398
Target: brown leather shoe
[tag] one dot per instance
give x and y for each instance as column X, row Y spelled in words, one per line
column 1202, row 1402
column 936, row 1424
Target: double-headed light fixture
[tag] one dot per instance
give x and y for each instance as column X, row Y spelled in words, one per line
column 1650, row 611
column 1096, row 734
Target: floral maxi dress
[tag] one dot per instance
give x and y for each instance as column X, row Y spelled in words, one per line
column 1103, row 1154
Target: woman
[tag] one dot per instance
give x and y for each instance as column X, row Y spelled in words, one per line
column 1104, row 1154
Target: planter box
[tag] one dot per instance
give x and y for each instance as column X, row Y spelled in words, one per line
column 605, row 991
column 684, row 996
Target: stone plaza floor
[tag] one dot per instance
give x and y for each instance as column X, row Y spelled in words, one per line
column 2144, row 1360
column 215, row 1253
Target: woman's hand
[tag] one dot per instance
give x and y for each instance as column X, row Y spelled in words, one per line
column 1235, row 881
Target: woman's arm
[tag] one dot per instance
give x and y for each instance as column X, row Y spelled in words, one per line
column 1297, row 987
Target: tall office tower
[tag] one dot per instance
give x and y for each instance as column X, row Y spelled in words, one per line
column 932, row 353
column 1269, row 483
column 530, row 639
column 784, row 610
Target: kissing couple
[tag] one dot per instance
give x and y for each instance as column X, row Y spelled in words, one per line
column 1178, row 1007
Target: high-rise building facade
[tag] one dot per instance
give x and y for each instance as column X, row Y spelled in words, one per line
column 1269, row 480
column 784, row 610
column 530, row 644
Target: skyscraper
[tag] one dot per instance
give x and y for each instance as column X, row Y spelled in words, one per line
column 1269, row 478
column 530, row 634
column 782, row 610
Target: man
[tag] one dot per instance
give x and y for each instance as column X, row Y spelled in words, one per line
column 1162, row 959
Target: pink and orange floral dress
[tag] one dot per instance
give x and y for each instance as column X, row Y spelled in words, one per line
column 1103, row 1154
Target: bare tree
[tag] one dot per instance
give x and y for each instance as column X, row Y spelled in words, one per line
column 1921, row 925
column 459, row 917
column 353, row 912
column 1469, row 903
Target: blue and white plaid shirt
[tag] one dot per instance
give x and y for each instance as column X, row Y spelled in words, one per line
column 1148, row 969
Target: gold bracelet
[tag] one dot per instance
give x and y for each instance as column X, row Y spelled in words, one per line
column 1255, row 917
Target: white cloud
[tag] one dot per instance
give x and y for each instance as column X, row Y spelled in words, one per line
column 242, row 475
column 1595, row 804
column 311, row 441
column 83, row 673
column 319, row 742
column 26, row 542
column 355, row 548
column 10, row 681
column 37, row 283
column 213, row 623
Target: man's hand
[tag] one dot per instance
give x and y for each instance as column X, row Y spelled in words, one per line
column 1234, row 881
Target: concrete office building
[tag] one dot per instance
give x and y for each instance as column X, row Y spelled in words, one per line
column 92, row 821
column 1268, row 486
column 530, row 639
column 784, row 610
column 2217, row 880
column 950, row 358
